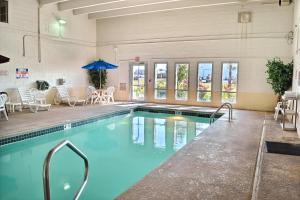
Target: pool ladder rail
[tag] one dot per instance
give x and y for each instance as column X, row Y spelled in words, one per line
column 52, row 152
column 228, row 105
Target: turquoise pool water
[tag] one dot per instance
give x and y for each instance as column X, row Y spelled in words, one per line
column 121, row 151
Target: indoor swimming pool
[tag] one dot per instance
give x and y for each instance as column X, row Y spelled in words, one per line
column 121, row 150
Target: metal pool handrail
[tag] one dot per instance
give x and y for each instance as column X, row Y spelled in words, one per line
column 52, row 152
column 229, row 106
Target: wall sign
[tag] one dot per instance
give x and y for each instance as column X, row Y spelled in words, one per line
column 22, row 73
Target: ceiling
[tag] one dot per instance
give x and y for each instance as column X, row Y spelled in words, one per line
column 102, row 9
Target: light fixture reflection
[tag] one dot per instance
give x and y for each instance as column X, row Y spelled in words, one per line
column 177, row 117
column 67, row 186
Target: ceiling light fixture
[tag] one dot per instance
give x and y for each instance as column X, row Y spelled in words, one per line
column 61, row 21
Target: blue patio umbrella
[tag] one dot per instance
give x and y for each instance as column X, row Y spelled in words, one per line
column 99, row 65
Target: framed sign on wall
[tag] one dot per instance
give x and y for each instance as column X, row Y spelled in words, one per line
column 22, row 73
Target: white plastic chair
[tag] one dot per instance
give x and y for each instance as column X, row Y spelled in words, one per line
column 3, row 99
column 92, row 95
column 109, row 94
column 63, row 96
column 279, row 108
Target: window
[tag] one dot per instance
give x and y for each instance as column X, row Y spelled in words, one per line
column 138, row 82
column 160, row 80
column 204, row 82
column 182, row 82
column 229, row 82
column 4, row 11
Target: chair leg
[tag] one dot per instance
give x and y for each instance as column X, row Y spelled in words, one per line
column 70, row 104
column 5, row 115
column 276, row 114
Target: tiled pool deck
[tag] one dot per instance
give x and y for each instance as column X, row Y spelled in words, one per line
column 219, row 165
column 27, row 121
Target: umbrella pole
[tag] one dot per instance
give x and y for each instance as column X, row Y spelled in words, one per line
column 100, row 79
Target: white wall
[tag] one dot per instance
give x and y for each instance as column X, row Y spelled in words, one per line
column 197, row 34
column 63, row 52
column 296, row 54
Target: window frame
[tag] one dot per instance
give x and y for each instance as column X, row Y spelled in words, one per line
column 175, row 80
column 8, row 12
column 212, row 81
column 237, row 80
column 131, row 64
column 167, row 79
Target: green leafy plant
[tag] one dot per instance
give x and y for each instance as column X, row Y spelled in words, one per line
column 42, row 85
column 95, row 77
column 279, row 75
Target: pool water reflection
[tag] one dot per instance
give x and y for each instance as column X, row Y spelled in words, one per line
column 167, row 133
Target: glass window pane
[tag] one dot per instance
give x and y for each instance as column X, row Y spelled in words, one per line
column 138, row 82
column 181, row 95
column 204, row 96
column 182, row 81
column 138, row 74
column 160, row 80
column 229, row 77
column 182, row 76
column 160, row 94
column 204, row 81
column 205, row 76
column 229, row 97
column 161, row 76
column 138, row 92
column 229, row 82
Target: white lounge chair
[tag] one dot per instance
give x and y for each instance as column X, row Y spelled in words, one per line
column 109, row 94
column 27, row 100
column 63, row 96
column 3, row 99
column 92, row 95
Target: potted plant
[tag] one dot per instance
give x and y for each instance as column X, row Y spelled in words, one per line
column 94, row 77
column 279, row 76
